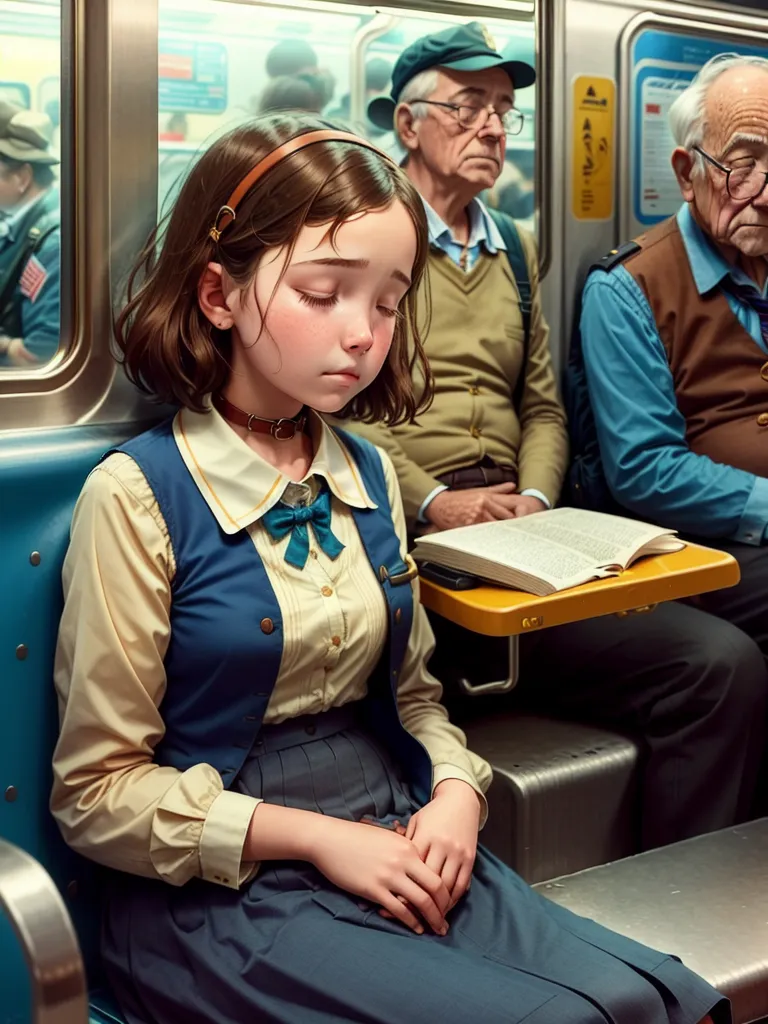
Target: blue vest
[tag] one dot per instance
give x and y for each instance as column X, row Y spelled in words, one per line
column 221, row 666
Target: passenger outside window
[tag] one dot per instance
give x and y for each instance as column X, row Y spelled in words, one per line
column 30, row 219
column 30, row 238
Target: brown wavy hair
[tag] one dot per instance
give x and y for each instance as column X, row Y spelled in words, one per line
column 171, row 350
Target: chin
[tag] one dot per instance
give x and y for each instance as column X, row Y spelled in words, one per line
column 483, row 179
column 754, row 245
column 331, row 403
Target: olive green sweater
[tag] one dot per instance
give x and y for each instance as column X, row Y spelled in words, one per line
column 475, row 349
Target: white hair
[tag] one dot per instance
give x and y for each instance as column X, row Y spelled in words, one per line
column 687, row 114
column 420, row 87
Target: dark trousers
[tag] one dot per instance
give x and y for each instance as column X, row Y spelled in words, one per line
column 689, row 679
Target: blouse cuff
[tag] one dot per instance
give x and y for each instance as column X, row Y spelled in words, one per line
column 224, row 833
column 442, row 772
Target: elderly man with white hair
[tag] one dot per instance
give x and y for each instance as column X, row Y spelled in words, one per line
column 493, row 445
column 674, row 335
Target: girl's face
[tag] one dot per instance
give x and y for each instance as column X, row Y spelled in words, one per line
column 328, row 327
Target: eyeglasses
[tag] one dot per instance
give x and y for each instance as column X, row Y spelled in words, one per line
column 512, row 120
column 742, row 183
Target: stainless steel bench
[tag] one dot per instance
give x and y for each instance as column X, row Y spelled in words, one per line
column 564, row 795
column 705, row 900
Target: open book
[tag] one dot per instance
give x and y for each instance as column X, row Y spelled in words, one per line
column 547, row 551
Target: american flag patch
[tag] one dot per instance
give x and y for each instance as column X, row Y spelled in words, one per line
column 32, row 280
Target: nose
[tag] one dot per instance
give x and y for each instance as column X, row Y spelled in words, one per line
column 761, row 201
column 493, row 127
column 358, row 336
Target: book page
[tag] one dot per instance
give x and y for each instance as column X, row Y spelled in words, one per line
column 540, row 556
column 604, row 539
column 563, row 547
column 505, row 544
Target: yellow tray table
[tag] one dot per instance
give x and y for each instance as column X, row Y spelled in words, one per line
column 499, row 611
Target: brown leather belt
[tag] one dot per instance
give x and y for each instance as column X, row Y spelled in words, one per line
column 482, row 474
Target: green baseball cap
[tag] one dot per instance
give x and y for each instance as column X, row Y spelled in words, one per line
column 466, row 48
column 26, row 136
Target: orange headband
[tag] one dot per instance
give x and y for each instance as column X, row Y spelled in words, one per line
column 227, row 213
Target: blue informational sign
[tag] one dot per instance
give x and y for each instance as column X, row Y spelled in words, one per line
column 663, row 64
column 192, row 77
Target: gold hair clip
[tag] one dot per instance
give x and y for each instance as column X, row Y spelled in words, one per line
column 215, row 232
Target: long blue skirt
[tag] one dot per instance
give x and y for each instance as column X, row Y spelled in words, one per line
column 292, row 948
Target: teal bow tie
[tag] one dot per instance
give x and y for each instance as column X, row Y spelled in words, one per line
column 283, row 519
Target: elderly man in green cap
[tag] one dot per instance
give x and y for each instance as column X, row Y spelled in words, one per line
column 453, row 105
column 493, row 445
column 29, row 239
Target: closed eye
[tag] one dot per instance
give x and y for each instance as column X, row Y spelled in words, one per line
column 318, row 301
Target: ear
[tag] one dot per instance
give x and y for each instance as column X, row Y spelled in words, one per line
column 406, row 127
column 25, row 177
column 211, row 298
column 683, row 164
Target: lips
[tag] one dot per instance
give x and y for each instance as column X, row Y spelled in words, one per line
column 484, row 156
column 342, row 373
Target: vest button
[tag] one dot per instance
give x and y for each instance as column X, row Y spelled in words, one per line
column 267, row 626
column 474, row 390
column 762, row 419
column 764, row 371
column 326, row 591
column 475, row 431
column 336, row 640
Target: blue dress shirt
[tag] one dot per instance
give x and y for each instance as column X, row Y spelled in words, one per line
column 648, row 464
column 483, row 234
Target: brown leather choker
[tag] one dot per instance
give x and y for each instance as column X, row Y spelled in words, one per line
column 282, row 430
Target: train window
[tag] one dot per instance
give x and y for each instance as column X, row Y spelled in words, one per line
column 30, row 61
column 224, row 61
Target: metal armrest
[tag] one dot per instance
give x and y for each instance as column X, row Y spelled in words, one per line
column 44, row 929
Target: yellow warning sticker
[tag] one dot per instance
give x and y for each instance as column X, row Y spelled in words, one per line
column 594, row 107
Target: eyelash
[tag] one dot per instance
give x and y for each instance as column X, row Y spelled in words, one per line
column 317, row 303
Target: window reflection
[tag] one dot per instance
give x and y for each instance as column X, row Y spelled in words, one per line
column 30, row 234
column 263, row 57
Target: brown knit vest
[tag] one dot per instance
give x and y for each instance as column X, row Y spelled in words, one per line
column 720, row 373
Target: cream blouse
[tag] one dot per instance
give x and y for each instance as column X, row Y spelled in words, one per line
column 112, row 802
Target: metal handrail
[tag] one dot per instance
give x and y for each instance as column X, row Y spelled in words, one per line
column 379, row 25
column 42, row 924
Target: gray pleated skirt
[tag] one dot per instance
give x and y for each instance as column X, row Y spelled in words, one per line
column 292, row 948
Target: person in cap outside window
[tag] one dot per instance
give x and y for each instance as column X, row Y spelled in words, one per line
column 30, row 239
column 493, row 446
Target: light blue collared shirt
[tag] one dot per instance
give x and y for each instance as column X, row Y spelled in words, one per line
column 648, row 464
column 483, row 234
